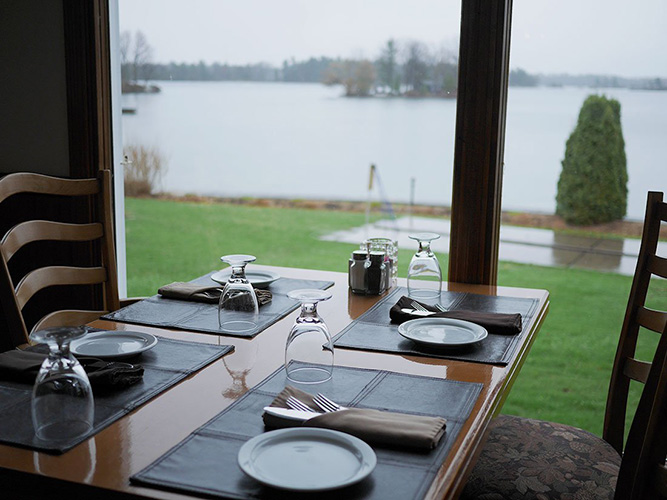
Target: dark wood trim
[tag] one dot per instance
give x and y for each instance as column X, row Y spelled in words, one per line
column 88, row 78
column 87, row 62
column 81, row 81
column 480, row 136
column 103, row 89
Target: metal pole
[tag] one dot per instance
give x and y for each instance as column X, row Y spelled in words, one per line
column 412, row 199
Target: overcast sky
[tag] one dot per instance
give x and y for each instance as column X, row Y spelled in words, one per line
column 619, row 37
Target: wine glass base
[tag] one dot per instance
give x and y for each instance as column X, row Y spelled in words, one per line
column 63, row 431
column 238, row 326
column 309, row 375
column 423, row 293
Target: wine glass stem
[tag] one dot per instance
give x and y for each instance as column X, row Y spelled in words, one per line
column 238, row 272
column 64, row 349
column 308, row 312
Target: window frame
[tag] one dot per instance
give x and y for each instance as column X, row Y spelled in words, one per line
column 481, row 112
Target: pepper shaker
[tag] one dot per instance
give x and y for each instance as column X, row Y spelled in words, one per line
column 376, row 273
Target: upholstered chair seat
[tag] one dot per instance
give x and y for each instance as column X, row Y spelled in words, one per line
column 526, row 459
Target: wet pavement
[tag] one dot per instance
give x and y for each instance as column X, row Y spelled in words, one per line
column 517, row 244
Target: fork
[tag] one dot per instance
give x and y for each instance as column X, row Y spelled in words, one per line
column 440, row 307
column 295, row 404
column 418, row 307
column 326, row 404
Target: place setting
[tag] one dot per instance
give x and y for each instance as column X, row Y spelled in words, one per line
column 238, row 300
column 422, row 319
column 71, row 382
column 313, row 427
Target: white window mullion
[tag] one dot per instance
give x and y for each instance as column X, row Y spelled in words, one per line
column 118, row 168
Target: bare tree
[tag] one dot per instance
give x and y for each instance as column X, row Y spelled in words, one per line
column 136, row 57
column 143, row 57
column 415, row 68
column 125, row 45
column 444, row 72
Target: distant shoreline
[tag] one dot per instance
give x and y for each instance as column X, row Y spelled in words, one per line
column 619, row 229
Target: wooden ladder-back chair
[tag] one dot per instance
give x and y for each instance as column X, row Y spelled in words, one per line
column 532, row 459
column 88, row 203
column 626, row 367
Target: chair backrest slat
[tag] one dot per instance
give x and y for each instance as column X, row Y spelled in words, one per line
column 67, row 318
column 658, row 266
column 652, row 319
column 42, row 230
column 24, row 182
column 662, row 212
column 45, row 277
column 637, row 369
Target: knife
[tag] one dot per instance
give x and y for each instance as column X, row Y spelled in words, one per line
column 415, row 312
column 290, row 414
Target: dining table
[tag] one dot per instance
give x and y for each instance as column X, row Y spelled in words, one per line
column 101, row 467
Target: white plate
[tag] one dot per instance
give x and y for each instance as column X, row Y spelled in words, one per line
column 303, row 459
column 113, row 344
column 442, row 332
column 258, row 279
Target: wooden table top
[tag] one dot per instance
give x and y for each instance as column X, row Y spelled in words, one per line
column 103, row 464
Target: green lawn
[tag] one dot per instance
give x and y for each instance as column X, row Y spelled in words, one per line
column 565, row 377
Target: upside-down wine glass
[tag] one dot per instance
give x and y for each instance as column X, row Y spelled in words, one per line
column 238, row 309
column 62, row 399
column 309, row 351
column 424, row 267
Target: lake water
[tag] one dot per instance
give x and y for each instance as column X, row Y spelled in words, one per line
column 289, row 140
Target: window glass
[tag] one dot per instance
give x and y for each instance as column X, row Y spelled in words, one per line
column 286, row 104
column 574, row 154
column 243, row 109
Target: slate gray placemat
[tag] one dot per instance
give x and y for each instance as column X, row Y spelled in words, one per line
column 169, row 362
column 202, row 317
column 206, row 461
column 374, row 331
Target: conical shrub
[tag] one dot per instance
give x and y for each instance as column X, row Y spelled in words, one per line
column 592, row 188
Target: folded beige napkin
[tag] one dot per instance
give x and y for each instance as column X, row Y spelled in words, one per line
column 373, row 426
column 204, row 293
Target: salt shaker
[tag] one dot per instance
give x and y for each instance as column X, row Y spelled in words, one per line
column 357, row 272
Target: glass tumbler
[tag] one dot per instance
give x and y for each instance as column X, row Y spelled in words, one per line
column 424, row 267
column 390, row 249
column 62, row 399
column 238, row 309
column 309, row 354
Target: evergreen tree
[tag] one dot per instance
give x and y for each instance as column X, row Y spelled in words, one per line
column 592, row 188
column 388, row 68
